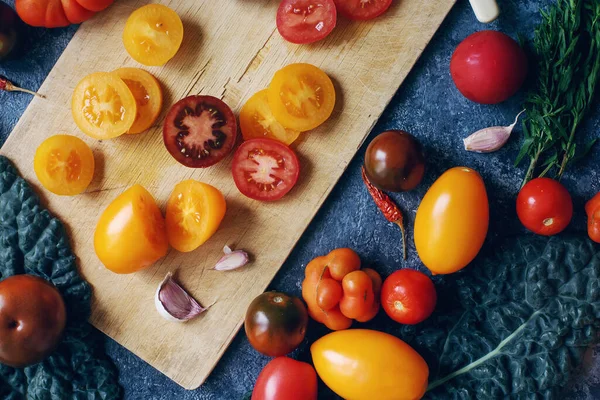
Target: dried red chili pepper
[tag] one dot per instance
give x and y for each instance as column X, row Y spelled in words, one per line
column 8, row 86
column 387, row 206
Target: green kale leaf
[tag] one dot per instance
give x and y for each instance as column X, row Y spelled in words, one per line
column 33, row 242
column 515, row 324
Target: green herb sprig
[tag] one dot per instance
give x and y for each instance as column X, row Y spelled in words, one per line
column 567, row 49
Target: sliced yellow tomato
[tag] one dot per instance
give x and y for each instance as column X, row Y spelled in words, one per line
column 452, row 221
column 103, row 106
column 64, row 164
column 148, row 97
column 194, row 212
column 131, row 233
column 301, row 96
column 257, row 121
column 153, row 34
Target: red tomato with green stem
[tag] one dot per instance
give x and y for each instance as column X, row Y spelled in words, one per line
column 362, row 10
column 286, row 379
column 408, row 296
column 306, row 21
column 544, row 206
column 488, row 67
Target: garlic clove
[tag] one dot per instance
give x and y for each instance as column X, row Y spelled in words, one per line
column 174, row 304
column 232, row 260
column 490, row 139
column 227, row 249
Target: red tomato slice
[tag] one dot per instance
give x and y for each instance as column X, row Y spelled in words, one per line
column 306, row 21
column 265, row 169
column 362, row 10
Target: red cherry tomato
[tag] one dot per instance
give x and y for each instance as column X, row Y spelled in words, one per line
column 544, row 206
column 408, row 296
column 306, row 21
column 286, row 379
column 265, row 169
column 361, row 10
column 488, row 67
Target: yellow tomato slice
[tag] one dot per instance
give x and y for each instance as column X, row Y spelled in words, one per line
column 257, row 121
column 131, row 233
column 64, row 165
column 103, row 106
column 153, row 34
column 148, row 97
column 301, row 96
column 194, row 212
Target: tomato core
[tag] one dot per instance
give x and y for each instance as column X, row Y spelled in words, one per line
column 548, row 221
column 398, row 305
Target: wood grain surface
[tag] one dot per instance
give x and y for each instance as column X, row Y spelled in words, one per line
column 231, row 49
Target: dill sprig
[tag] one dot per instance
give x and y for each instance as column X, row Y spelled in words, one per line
column 567, row 48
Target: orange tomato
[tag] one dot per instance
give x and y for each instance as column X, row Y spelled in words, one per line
column 64, row 165
column 361, row 364
column 329, row 293
column 153, row 34
column 95, row 5
column 341, row 262
column 75, row 13
column 131, row 233
column 301, row 96
column 42, row 13
column 452, row 221
column 377, row 283
column 148, row 97
column 103, row 106
column 358, row 295
column 194, row 212
column 257, row 121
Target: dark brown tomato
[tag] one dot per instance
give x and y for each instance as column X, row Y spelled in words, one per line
column 11, row 32
column 276, row 323
column 32, row 320
column 199, row 131
column 394, row 161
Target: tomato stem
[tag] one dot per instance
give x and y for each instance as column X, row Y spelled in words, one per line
column 8, row 86
column 400, row 223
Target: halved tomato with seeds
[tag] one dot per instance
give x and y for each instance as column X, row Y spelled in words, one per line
column 306, row 21
column 265, row 169
column 103, row 106
column 194, row 212
column 362, row 10
column 257, row 121
column 64, row 164
column 301, row 96
column 148, row 97
column 200, row 131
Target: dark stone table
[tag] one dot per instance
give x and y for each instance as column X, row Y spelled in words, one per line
column 427, row 105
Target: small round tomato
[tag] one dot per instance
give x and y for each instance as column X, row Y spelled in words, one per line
column 64, row 165
column 131, row 233
column 306, row 21
column 153, row 34
column 257, row 121
column 32, row 320
column 488, row 67
column 148, row 97
column 284, row 378
column 103, row 106
column 95, row 5
column 200, row 131
column 452, row 221
column 301, row 96
column 194, row 212
column 544, row 206
column 265, row 169
column 362, row 10
column 276, row 323
column 408, row 296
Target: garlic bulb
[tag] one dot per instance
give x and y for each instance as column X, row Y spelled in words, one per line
column 173, row 303
column 490, row 139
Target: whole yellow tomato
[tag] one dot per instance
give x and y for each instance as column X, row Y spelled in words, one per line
column 452, row 221
column 361, row 364
column 131, row 233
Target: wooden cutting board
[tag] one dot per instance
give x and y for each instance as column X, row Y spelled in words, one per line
column 231, row 50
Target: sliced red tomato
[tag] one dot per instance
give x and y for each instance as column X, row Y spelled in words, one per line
column 306, row 21
column 362, row 10
column 265, row 169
